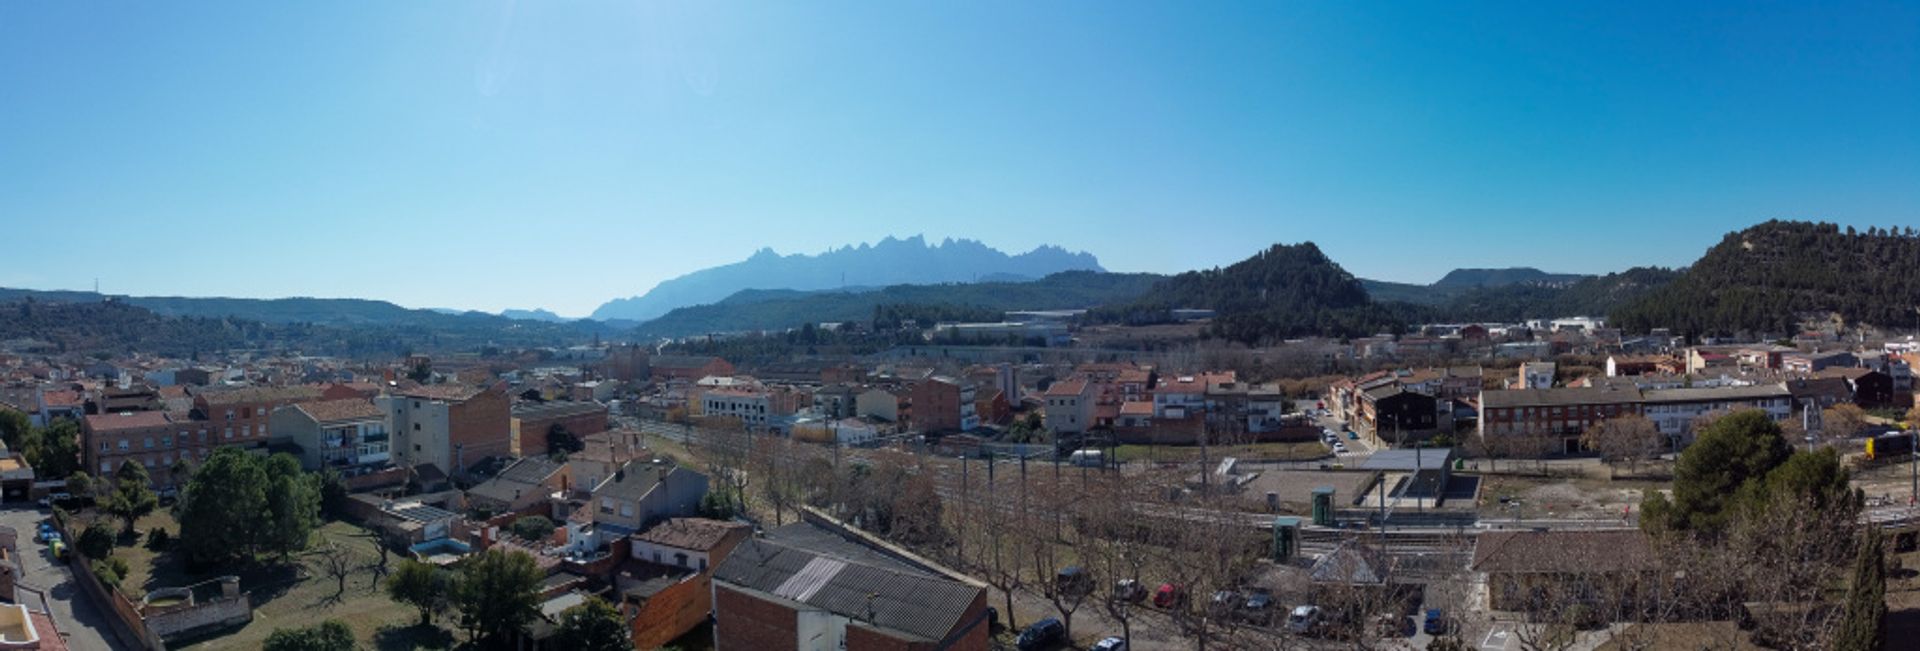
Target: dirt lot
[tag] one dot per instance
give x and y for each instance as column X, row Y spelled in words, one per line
column 1577, row 498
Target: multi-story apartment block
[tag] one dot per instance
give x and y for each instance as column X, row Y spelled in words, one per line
column 1557, row 417
column 349, row 435
column 449, row 426
column 243, row 416
column 943, row 404
column 750, row 405
column 1070, row 405
column 152, row 439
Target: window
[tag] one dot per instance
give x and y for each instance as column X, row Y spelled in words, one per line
column 229, row 414
column 416, row 447
column 104, row 446
column 680, row 559
column 246, row 431
column 124, row 446
column 229, row 432
column 416, row 427
column 149, row 443
column 416, row 404
column 166, row 441
column 656, row 556
column 106, row 467
column 626, row 510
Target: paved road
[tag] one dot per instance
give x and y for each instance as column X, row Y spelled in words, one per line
column 78, row 617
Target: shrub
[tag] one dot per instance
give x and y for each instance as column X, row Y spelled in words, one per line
column 533, row 527
column 96, row 541
column 158, row 539
column 105, row 571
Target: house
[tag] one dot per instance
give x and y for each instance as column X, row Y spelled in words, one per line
column 1070, row 405
column 1523, row 566
column 692, row 543
column 349, row 435
column 633, row 498
column 878, row 403
column 1817, row 362
column 1554, row 419
column 1819, row 392
column 1535, row 375
column 520, row 487
column 603, row 454
column 943, row 404
column 152, row 439
column 449, row 426
column 533, row 422
column 837, row 401
column 1620, row 365
column 772, row 594
column 1871, row 389
column 667, row 589
column 1391, row 411
column 991, row 406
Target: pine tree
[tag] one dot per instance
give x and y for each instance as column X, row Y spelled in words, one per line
column 1864, row 628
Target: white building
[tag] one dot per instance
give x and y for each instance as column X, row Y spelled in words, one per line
column 750, row 406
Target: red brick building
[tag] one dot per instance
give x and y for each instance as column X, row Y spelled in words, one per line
column 532, row 422
column 240, row 416
column 942, row 404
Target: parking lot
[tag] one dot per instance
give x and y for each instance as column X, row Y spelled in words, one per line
column 48, row 584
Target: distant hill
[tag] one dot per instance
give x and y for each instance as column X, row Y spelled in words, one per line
column 1284, row 291
column 1503, row 277
column 890, row 262
column 775, row 309
column 1774, row 277
column 1462, row 281
column 535, row 314
column 322, row 311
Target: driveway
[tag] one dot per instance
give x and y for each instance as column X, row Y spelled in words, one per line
column 48, row 584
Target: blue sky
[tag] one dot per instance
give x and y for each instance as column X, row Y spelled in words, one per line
column 499, row 154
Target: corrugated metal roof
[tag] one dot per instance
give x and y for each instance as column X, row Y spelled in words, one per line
column 913, row 604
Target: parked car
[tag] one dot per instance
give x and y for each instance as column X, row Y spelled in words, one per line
column 1169, row 595
column 1303, row 620
column 1351, row 436
column 1041, row 634
column 1224, row 602
column 1435, row 623
column 1259, row 607
column 1109, row 644
column 1073, row 580
column 1129, row 590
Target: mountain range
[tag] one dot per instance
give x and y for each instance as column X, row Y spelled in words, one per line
column 909, row 261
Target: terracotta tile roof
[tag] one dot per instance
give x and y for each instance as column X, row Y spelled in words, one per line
column 255, row 395
column 447, row 392
column 327, row 411
column 1136, row 408
column 62, row 398
column 1067, row 388
column 697, row 534
column 128, row 420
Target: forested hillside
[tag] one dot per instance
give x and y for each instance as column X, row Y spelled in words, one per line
column 781, row 309
column 118, row 326
column 1589, row 296
column 1771, row 278
column 1285, row 291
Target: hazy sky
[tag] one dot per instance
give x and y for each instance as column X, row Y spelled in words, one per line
column 558, row 154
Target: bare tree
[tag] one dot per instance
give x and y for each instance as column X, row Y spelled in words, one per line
column 339, row 562
column 1842, row 420
column 1630, row 438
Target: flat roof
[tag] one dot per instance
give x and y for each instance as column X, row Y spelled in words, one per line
column 1409, row 460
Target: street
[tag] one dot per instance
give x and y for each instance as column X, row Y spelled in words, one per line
column 48, row 584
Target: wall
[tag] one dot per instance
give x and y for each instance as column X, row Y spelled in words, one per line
column 217, row 613
column 670, row 613
column 744, row 622
column 481, row 425
column 125, row 620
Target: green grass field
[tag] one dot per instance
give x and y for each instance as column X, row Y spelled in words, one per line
column 294, row 594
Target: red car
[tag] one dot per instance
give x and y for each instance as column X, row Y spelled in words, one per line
column 1169, row 595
